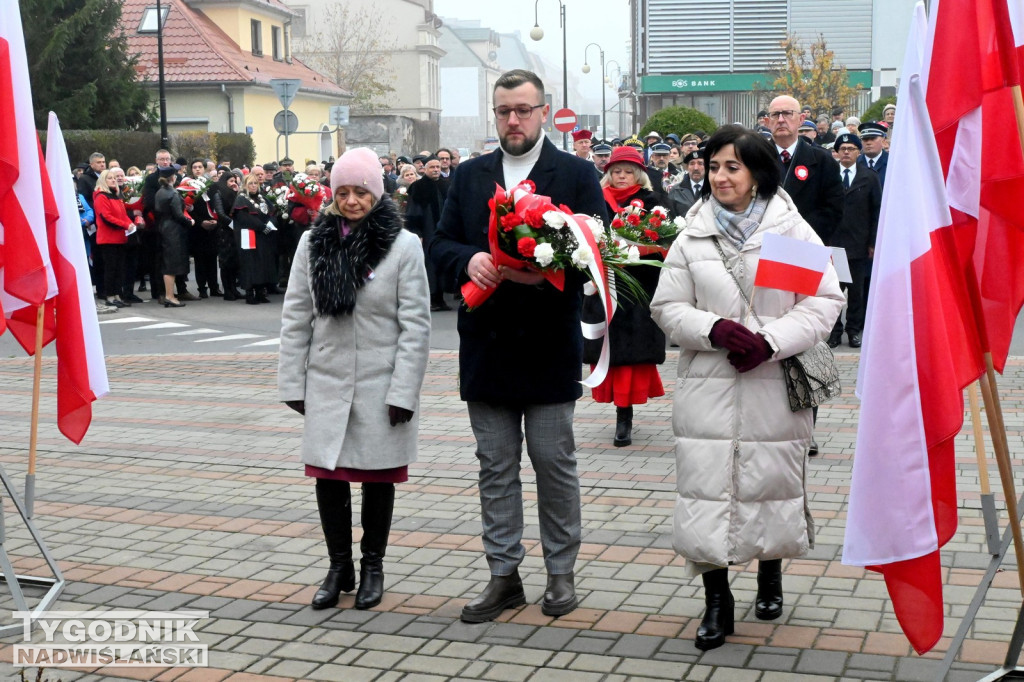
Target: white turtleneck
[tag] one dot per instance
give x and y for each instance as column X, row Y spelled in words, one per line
column 517, row 168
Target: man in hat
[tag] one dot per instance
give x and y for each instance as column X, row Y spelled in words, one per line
column 838, row 114
column 285, row 171
column 602, row 151
column 634, row 142
column 509, row 394
column 650, row 139
column 581, row 141
column 809, row 131
column 809, row 175
column 762, row 119
column 875, row 157
column 665, row 169
column 862, row 201
column 686, row 193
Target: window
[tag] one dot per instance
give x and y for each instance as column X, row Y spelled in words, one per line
column 276, row 46
column 256, row 28
column 148, row 23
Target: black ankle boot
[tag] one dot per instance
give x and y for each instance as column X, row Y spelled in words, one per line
column 250, row 297
column 623, row 426
column 768, row 605
column 378, row 508
column 718, row 615
column 334, row 502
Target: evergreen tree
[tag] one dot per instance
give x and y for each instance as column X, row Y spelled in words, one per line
column 80, row 67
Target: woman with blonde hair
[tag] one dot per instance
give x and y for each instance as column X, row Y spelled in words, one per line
column 112, row 228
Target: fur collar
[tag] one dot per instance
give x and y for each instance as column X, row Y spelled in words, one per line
column 338, row 267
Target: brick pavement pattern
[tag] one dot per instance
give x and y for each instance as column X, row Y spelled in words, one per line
column 188, row 493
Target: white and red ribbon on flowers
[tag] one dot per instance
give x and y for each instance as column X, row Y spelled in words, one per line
column 584, row 228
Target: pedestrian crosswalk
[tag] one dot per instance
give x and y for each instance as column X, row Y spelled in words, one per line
column 185, row 332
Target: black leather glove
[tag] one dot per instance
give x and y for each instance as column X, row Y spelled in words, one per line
column 297, row 405
column 398, row 415
column 744, row 362
column 734, row 337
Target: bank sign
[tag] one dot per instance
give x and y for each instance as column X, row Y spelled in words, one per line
column 727, row 82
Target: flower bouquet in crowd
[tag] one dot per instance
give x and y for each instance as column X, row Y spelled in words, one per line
column 670, row 181
column 278, row 198
column 401, row 198
column 131, row 192
column 306, row 191
column 192, row 189
column 648, row 231
column 527, row 229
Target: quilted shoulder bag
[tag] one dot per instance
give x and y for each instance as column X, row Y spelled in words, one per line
column 812, row 377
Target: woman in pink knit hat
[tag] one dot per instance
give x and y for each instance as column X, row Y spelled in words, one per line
column 355, row 340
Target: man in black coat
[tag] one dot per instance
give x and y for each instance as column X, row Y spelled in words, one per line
column 520, row 352
column 85, row 186
column 151, row 249
column 685, row 194
column 875, row 156
column 809, row 175
column 422, row 213
column 862, row 202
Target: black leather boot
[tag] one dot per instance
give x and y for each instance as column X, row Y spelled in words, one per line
column 718, row 615
column 623, row 426
column 334, row 502
column 502, row 592
column 378, row 507
column 768, row 605
column 559, row 595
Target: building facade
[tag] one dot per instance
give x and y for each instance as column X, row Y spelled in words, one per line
column 219, row 59
column 712, row 55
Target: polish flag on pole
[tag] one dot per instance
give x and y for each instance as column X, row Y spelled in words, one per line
column 81, row 369
column 791, row 264
column 918, row 355
column 26, row 278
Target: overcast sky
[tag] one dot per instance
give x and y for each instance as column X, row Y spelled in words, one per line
column 605, row 22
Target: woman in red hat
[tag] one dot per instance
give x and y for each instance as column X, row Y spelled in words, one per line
column 637, row 343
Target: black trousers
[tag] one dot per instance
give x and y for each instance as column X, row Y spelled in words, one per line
column 856, row 299
column 112, row 257
column 206, row 270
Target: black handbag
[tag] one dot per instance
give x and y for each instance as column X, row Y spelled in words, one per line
column 812, row 377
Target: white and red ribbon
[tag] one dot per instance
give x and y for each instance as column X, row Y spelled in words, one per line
column 581, row 227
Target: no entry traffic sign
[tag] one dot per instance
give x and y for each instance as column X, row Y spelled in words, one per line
column 565, row 120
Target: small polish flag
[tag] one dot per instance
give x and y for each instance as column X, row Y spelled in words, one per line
column 248, row 239
column 791, row 264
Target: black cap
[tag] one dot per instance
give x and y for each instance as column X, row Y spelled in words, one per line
column 847, row 138
column 661, row 148
column 837, row 111
column 287, row 162
column 692, row 156
column 872, row 129
column 762, row 113
column 601, row 148
column 169, row 170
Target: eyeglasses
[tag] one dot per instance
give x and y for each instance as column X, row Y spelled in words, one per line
column 523, row 111
column 776, row 115
column 848, row 149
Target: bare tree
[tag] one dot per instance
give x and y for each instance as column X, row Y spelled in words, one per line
column 347, row 47
column 811, row 76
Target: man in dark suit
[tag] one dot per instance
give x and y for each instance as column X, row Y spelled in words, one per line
column 862, row 200
column 685, row 194
column 520, row 352
column 875, row 157
column 422, row 213
column 809, row 175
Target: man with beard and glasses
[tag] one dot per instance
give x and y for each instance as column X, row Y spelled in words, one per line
column 520, row 352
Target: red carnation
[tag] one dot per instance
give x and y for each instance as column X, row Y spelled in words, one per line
column 633, row 219
column 510, row 221
column 526, row 245
column 652, row 235
column 535, row 218
column 655, row 220
column 617, row 223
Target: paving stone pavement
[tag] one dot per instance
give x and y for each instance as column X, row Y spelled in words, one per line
column 187, row 493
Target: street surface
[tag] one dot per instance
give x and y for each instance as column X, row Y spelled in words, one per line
column 187, row 493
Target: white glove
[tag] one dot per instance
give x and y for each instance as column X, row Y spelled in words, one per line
column 269, row 228
column 130, row 231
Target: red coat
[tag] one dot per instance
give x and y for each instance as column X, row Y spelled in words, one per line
column 111, row 219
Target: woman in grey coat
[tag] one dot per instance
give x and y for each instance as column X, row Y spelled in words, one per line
column 355, row 340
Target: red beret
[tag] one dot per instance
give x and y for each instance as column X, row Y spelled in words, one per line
column 582, row 135
column 625, row 154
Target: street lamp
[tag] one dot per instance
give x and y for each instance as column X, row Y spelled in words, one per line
column 537, row 33
column 164, row 140
column 586, row 69
column 608, row 81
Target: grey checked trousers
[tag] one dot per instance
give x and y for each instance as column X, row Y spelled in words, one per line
column 552, row 451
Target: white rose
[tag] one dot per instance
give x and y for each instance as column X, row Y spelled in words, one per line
column 583, row 256
column 660, row 210
column 554, row 219
column 679, row 221
column 544, row 253
column 598, row 229
column 632, row 255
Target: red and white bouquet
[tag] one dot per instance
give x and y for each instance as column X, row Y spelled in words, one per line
column 192, row 189
column 278, row 197
column 648, row 231
column 131, row 192
column 306, row 191
column 401, row 197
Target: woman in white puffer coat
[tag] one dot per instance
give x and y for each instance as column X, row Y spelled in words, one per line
column 740, row 451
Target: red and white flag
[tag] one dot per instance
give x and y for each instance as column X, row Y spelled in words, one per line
column 791, row 264
column 248, row 239
column 81, row 369
column 26, row 278
column 918, row 355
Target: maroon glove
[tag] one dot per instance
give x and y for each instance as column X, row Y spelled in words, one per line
column 744, row 362
column 734, row 337
column 398, row 415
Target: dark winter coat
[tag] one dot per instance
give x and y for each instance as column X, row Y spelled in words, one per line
column 256, row 266
column 819, row 195
column 172, row 224
column 524, row 345
column 862, row 202
column 634, row 337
